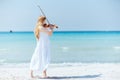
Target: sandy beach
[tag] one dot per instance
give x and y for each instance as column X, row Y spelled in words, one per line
column 92, row 71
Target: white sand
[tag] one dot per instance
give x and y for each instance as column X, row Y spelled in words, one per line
column 94, row 71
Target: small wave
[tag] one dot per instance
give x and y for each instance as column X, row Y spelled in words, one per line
column 81, row 64
column 3, row 49
column 2, row 60
column 65, row 49
column 21, row 65
column 117, row 47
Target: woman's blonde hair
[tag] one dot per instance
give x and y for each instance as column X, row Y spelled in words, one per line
column 40, row 21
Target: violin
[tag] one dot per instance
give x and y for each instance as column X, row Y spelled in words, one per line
column 51, row 26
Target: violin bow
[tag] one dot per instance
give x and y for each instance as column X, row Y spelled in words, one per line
column 43, row 14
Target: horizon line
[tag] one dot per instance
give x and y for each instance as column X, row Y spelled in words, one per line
column 71, row 31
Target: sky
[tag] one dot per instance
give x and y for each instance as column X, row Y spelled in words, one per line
column 69, row 15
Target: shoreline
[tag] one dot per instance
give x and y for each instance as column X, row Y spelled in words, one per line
column 81, row 71
column 62, row 64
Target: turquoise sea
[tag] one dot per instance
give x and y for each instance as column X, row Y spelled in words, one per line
column 66, row 47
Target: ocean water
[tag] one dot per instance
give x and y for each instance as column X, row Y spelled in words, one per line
column 66, row 47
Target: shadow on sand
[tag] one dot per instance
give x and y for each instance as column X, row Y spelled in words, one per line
column 74, row 77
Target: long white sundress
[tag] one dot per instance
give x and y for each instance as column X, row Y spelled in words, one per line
column 41, row 55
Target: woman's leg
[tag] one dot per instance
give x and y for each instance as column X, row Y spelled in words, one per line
column 44, row 73
column 31, row 74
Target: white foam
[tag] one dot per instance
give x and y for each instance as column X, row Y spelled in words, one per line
column 64, row 49
column 3, row 49
column 117, row 47
column 2, row 60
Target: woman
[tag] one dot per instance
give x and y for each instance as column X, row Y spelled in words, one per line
column 41, row 56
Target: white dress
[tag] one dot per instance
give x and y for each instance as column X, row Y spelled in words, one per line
column 41, row 55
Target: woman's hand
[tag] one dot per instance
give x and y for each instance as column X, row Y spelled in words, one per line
column 51, row 26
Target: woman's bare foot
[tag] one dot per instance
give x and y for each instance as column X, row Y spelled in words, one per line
column 35, row 76
column 42, row 77
column 44, row 74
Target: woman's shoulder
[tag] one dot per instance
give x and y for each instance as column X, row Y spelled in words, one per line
column 40, row 27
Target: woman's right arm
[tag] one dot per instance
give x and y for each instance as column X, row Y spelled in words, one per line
column 49, row 32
